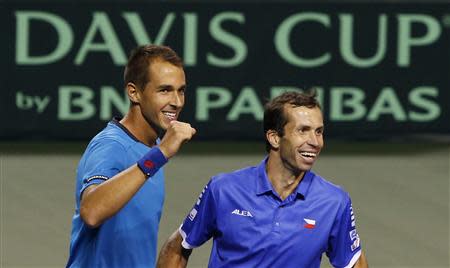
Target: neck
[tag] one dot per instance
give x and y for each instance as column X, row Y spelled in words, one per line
column 283, row 179
column 138, row 126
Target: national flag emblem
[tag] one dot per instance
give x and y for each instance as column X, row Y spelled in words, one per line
column 310, row 224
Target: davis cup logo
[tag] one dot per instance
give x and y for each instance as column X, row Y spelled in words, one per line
column 309, row 224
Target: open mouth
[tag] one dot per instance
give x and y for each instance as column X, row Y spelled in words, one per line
column 310, row 155
column 170, row 115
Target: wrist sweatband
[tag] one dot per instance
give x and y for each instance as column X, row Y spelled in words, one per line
column 152, row 161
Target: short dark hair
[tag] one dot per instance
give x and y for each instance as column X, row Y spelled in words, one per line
column 274, row 112
column 140, row 59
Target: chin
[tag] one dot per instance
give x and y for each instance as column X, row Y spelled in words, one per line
column 158, row 126
column 305, row 167
column 163, row 124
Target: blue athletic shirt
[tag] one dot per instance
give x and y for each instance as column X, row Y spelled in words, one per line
column 252, row 227
column 128, row 239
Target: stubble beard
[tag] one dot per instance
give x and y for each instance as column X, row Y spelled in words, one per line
column 160, row 131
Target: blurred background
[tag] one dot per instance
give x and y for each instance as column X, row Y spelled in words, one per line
column 381, row 70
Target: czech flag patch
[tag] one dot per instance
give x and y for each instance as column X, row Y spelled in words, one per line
column 309, row 224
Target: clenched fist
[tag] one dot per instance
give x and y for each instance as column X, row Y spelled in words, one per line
column 176, row 134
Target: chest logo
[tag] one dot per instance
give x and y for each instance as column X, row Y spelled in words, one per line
column 309, row 224
column 244, row 213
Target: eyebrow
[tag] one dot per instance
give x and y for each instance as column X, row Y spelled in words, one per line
column 311, row 127
column 165, row 86
column 170, row 86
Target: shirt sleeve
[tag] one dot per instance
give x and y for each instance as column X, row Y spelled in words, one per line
column 344, row 246
column 200, row 224
column 104, row 160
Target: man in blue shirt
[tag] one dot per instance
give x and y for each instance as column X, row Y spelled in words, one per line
column 276, row 214
column 120, row 186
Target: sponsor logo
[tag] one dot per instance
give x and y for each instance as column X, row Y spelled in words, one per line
column 355, row 244
column 309, row 224
column 353, row 234
column 244, row 213
column 192, row 214
column 149, row 164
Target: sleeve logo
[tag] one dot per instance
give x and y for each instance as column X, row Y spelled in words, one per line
column 353, row 234
column 355, row 244
column 192, row 214
column 352, row 216
column 201, row 195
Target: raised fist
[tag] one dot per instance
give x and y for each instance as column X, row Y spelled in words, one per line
column 176, row 134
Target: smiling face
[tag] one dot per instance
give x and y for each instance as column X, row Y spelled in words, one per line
column 162, row 98
column 302, row 141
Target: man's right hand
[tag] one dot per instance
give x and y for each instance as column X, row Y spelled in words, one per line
column 176, row 134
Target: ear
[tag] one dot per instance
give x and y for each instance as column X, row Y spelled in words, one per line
column 273, row 138
column 133, row 93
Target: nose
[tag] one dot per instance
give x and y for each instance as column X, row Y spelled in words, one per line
column 177, row 99
column 313, row 139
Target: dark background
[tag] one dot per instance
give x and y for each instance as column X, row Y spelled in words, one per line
column 261, row 69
